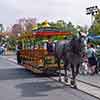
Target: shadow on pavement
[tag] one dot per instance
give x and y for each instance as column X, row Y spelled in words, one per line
column 14, row 73
column 21, row 73
column 38, row 88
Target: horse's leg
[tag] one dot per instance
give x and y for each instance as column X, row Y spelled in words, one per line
column 76, row 72
column 77, row 69
column 73, row 84
column 65, row 69
column 58, row 62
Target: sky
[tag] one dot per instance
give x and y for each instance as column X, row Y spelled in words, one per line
column 52, row 10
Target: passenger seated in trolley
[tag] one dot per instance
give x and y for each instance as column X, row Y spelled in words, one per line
column 50, row 47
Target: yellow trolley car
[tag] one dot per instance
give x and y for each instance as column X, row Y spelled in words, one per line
column 34, row 56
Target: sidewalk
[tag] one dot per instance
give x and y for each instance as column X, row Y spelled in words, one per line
column 92, row 79
column 10, row 53
column 94, row 91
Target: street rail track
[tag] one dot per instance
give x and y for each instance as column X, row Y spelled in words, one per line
column 77, row 88
column 83, row 82
column 88, row 83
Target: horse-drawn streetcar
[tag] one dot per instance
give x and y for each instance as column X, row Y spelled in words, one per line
column 34, row 53
column 39, row 59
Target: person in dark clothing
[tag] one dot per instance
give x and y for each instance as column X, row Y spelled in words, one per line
column 50, row 47
column 18, row 48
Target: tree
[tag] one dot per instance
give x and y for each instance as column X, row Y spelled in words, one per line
column 1, row 28
column 60, row 24
column 16, row 28
column 28, row 27
column 71, row 28
column 27, row 24
column 52, row 24
column 95, row 27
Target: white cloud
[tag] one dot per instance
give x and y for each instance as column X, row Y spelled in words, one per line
column 53, row 9
column 7, row 12
column 68, row 10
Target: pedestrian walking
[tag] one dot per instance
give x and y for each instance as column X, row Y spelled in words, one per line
column 91, row 58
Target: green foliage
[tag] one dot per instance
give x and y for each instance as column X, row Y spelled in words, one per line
column 95, row 27
column 1, row 28
column 12, row 42
column 96, row 42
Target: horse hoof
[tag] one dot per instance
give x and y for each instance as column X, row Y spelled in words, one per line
column 66, row 80
column 74, row 86
column 72, row 83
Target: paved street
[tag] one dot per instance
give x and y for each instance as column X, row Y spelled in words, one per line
column 19, row 84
